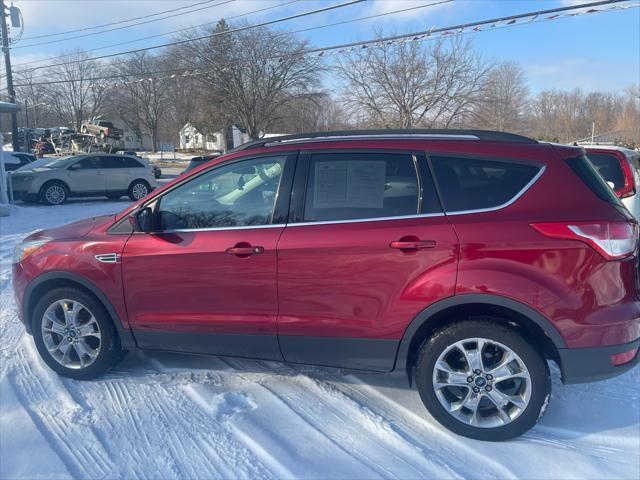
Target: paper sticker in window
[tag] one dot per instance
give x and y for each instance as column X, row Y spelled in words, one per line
column 349, row 184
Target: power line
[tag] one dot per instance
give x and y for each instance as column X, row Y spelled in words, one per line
column 122, row 27
column 454, row 30
column 47, row 35
column 264, row 9
column 226, row 32
column 369, row 17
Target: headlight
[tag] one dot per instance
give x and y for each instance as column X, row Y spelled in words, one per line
column 22, row 178
column 24, row 249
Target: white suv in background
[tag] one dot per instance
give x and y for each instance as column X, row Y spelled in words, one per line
column 95, row 174
column 620, row 167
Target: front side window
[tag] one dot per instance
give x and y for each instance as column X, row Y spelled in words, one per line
column 240, row 194
column 352, row 186
column 90, row 163
column 475, row 184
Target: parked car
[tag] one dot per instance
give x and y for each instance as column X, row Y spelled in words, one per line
column 157, row 171
column 197, row 161
column 15, row 160
column 463, row 259
column 96, row 174
column 620, row 167
column 102, row 129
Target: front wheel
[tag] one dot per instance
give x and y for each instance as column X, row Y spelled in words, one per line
column 74, row 334
column 54, row 193
column 483, row 380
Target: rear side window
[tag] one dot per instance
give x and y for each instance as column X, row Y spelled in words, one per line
column 122, row 162
column 352, row 186
column 608, row 165
column 474, row 184
column 590, row 176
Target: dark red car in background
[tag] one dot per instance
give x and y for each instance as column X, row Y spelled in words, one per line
column 465, row 259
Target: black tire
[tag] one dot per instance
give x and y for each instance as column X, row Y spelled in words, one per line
column 132, row 189
column 47, row 193
column 110, row 352
column 535, row 364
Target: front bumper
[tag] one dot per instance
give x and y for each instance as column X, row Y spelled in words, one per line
column 582, row 365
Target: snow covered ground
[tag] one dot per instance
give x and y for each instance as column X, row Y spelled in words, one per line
column 167, row 416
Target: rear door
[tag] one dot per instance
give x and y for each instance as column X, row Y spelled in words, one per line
column 366, row 248
column 122, row 170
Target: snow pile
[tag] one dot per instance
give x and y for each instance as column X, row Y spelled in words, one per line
column 169, row 416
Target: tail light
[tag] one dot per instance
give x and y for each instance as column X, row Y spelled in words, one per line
column 629, row 187
column 612, row 240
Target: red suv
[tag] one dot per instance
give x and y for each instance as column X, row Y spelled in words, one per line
column 463, row 259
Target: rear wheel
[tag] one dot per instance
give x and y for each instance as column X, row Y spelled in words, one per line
column 54, row 193
column 138, row 189
column 482, row 380
column 74, row 334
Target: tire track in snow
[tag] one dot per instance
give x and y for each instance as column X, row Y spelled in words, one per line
column 52, row 413
column 343, row 421
column 421, row 429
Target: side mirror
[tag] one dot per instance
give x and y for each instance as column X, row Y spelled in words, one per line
column 142, row 220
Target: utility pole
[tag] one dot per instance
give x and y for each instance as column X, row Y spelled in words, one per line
column 7, row 64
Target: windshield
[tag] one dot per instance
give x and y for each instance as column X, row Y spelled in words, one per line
column 59, row 162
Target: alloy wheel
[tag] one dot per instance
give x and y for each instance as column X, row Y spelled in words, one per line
column 71, row 334
column 482, row 383
column 55, row 194
column 139, row 191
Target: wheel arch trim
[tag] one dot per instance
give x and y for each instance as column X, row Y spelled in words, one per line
column 428, row 313
column 126, row 337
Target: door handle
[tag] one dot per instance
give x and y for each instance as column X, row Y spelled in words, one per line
column 244, row 250
column 413, row 244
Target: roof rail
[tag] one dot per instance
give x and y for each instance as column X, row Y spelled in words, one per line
column 416, row 133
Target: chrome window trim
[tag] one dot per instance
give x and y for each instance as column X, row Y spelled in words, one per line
column 504, row 205
column 215, row 229
column 360, row 220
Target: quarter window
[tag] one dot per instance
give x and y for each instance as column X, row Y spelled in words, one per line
column 361, row 185
column 240, row 194
column 473, row 184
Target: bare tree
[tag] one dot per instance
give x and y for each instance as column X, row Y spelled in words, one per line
column 505, row 100
column 248, row 76
column 142, row 102
column 75, row 98
column 410, row 84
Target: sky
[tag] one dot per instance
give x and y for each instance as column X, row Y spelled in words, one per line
column 592, row 52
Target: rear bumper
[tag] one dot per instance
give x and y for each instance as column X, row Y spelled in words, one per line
column 582, row 365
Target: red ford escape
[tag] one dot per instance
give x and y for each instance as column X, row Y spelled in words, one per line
column 463, row 259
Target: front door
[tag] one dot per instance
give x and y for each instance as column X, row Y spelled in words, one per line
column 363, row 254
column 205, row 281
column 87, row 175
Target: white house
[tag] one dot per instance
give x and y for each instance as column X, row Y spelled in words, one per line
column 132, row 141
column 192, row 138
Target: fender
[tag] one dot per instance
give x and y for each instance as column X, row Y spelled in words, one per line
column 126, row 337
column 468, row 298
